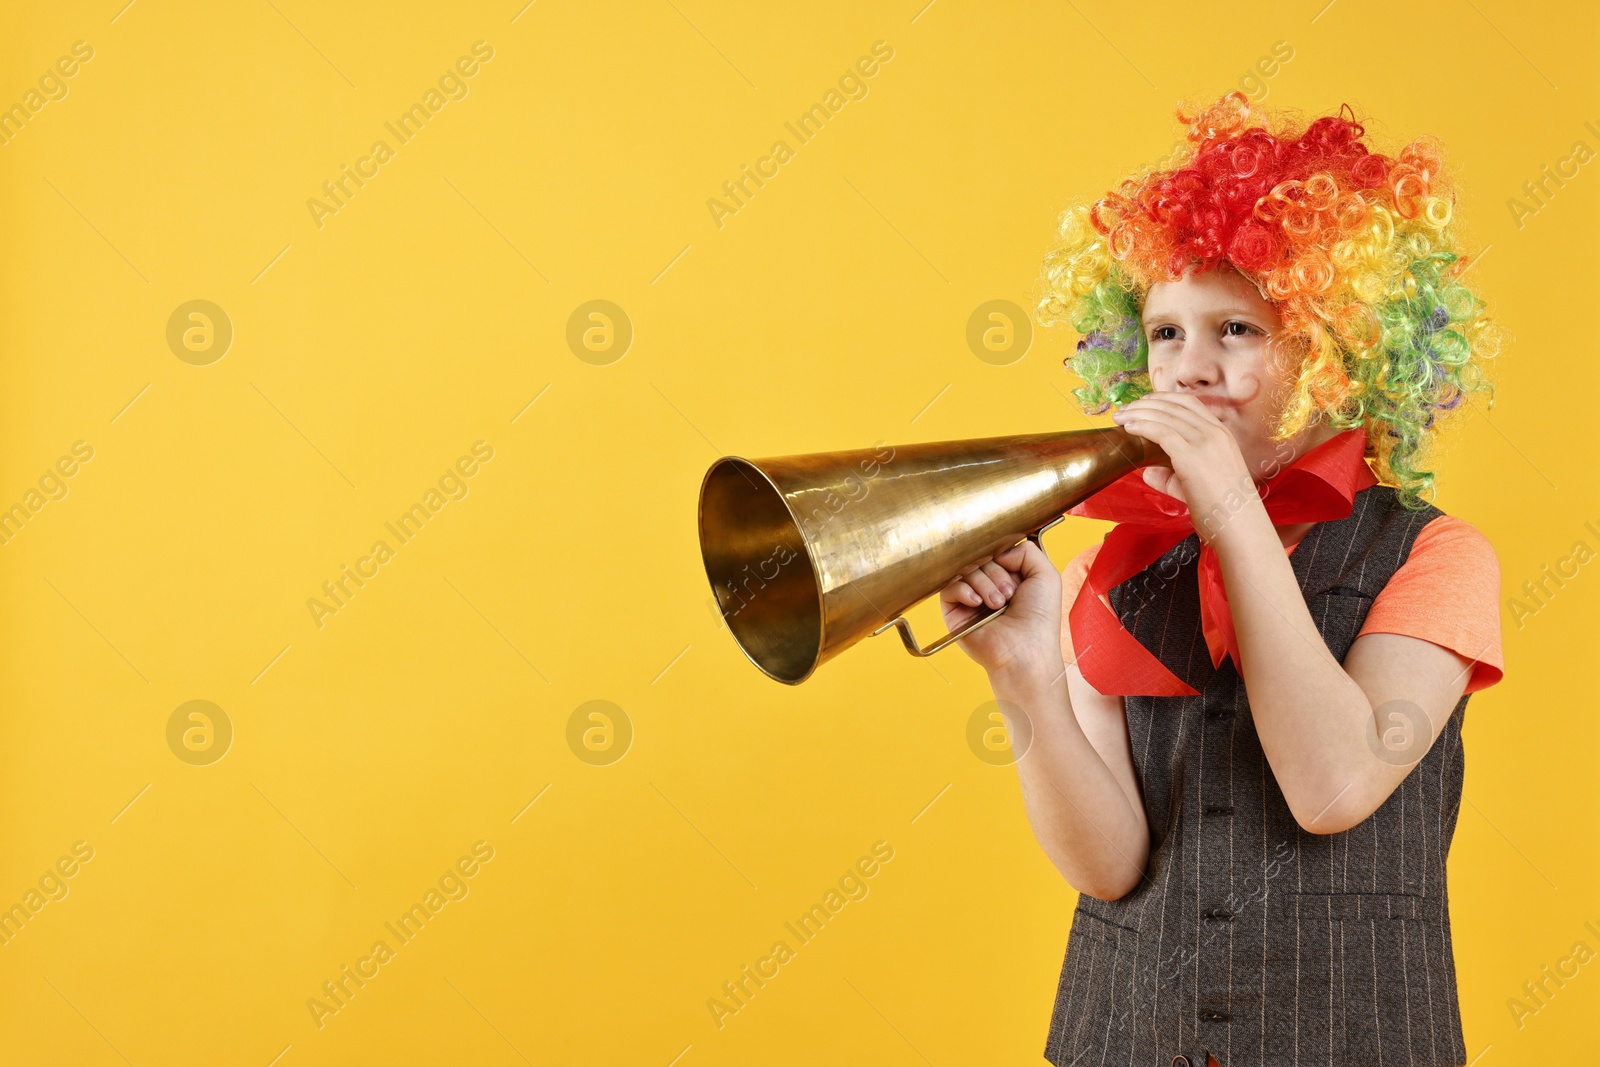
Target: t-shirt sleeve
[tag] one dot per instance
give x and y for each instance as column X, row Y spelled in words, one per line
column 1447, row 592
column 1072, row 578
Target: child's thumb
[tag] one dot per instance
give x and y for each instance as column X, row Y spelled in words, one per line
column 1035, row 560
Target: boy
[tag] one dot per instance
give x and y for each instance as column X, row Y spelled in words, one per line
column 1251, row 765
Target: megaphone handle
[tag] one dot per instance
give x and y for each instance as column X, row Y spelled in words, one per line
column 909, row 639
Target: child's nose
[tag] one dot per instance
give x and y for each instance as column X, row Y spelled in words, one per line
column 1197, row 366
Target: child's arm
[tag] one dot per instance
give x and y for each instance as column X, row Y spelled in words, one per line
column 1078, row 782
column 1319, row 722
column 1076, row 772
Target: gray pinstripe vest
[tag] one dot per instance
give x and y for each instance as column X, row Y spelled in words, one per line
column 1250, row 938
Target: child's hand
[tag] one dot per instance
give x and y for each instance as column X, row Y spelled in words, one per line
column 1028, row 635
column 1206, row 462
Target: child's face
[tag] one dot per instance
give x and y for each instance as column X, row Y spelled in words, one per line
column 1211, row 335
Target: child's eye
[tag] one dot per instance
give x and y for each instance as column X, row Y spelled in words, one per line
column 1164, row 333
column 1235, row 328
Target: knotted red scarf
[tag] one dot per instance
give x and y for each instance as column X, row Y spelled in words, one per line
column 1318, row 486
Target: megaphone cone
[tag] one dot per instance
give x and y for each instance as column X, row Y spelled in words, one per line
column 809, row 554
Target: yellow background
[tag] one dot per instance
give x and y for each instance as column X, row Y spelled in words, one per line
column 828, row 313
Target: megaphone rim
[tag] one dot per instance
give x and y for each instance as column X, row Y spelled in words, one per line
column 746, row 464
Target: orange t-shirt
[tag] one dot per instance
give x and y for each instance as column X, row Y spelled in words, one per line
column 1447, row 592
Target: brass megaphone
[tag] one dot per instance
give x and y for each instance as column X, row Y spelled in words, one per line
column 809, row 554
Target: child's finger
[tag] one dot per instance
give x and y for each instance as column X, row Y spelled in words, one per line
column 1003, row 579
column 1154, row 426
column 959, row 592
column 1011, row 558
column 1180, row 415
column 1035, row 561
column 985, row 586
column 1187, row 403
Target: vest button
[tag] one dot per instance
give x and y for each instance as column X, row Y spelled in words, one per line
column 1180, row 1060
column 1220, row 914
column 1218, row 713
column 1219, row 809
column 1217, row 1016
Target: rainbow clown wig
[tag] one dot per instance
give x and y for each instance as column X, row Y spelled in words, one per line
column 1354, row 249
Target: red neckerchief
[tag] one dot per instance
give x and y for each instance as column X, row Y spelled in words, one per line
column 1318, row 486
